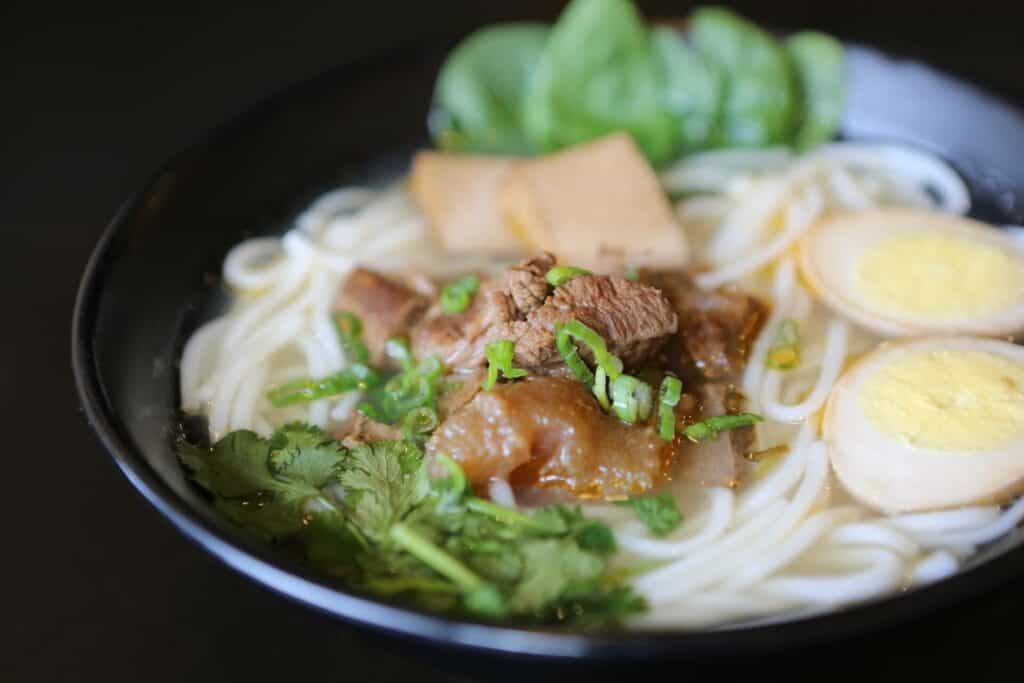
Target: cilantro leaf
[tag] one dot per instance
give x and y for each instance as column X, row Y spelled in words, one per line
column 305, row 454
column 660, row 514
column 383, row 481
column 550, row 568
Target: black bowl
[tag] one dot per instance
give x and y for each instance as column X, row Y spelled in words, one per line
column 154, row 277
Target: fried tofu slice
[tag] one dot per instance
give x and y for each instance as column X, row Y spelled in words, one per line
column 596, row 199
column 459, row 195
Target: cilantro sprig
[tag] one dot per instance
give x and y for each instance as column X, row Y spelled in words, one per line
column 373, row 518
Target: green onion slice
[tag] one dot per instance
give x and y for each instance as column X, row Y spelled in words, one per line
column 458, row 294
column 559, row 275
column 574, row 330
column 601, row 388
column 713, row 426
column 419, row 422
column 499, row 359
column 668, row 397
column 398, row 350
column 631, row 399
column 784, row 353
column 350, row 334
column 357, row 377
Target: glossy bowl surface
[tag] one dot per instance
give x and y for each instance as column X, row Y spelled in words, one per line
column 154, row 276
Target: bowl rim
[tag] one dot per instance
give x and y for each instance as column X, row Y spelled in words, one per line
column 288, row 578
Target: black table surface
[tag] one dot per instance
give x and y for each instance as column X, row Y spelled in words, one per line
column 96, row 585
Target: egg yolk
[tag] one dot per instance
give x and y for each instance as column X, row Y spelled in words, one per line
column 938, row 277
column 964, row 401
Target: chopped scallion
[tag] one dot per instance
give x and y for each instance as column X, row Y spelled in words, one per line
column 350, row 334
column 559, row 275
column 601, row 388
column 419, row 422
column 356, row 377
column 631, row 399
column 499, row 359
column 713, row 426
column 458, row 294
column 668, row 397
column 398, row 350
column 784, row 353
column 566, row 333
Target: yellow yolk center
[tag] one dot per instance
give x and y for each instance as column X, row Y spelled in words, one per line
column 964, row 401
column 938, row 277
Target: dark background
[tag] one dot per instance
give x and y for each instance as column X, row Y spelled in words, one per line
column 96, row 586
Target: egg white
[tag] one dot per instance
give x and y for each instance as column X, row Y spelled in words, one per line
column 891, row 476
column 830, row 253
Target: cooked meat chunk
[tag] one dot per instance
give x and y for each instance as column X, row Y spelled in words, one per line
column 361, row 429
column 386, row 308
column 716, row 328
column 549, row 432
column 721, row 461
column 527, row 282
column 634, row 319
column 458, row 340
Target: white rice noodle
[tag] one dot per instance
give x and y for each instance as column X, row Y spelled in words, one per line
column 831, row 366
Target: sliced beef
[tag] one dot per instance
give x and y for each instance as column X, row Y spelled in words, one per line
column 721, row 461
column 527, row 282
column 716, row 328
column 361, row 429
column 634, row 319
column 385, row 307
column 548, row 432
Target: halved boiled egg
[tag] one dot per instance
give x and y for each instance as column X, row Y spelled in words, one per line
column 903, row 272
column 930, row 424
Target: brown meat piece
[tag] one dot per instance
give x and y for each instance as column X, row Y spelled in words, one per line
column 721, row 461
column 527, row 282
column 549, row 432
column 362, row 429
column 634, row 319
column 385, row 307
column 716, row 328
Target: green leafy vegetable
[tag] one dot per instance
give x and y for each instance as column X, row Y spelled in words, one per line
column 371, row 517
column 760, row 104
column 784, row 353
column 660, row 514
column 598, row 73
column 499, row 359
column 358, row 376
column 478, row 101
column 559, row 275
column 820, row 67
column 457, row 294
column 668, row 397
column 710, row 428
column 692, row 88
